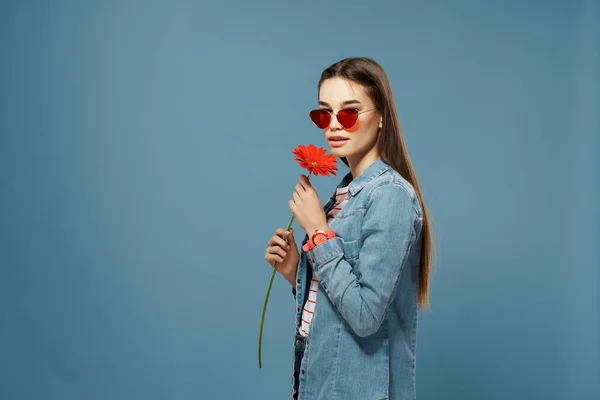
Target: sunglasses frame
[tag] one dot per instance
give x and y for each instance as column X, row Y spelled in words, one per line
column 331, row 115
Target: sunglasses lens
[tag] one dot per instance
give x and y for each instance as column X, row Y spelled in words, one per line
column 347, row 117
column 321, row 118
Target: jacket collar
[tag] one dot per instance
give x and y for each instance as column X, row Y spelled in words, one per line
column 377, row 168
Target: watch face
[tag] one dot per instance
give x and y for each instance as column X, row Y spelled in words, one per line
column 319, row 238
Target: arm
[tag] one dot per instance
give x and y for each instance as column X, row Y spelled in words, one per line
column 387, row 236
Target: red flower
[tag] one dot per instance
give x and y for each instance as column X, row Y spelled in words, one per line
column 315, row 160
column 318, row 163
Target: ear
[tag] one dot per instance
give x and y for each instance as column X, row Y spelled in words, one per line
column 380, row 123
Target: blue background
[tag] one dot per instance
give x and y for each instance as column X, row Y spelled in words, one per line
column 145, row 160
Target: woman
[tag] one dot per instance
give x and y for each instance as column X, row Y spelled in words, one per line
column 363, row 272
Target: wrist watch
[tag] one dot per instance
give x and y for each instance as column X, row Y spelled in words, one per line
column 317, row 238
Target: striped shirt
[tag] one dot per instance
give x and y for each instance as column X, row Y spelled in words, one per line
column 341, row 198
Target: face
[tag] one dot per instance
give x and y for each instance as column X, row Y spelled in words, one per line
column 338, row 94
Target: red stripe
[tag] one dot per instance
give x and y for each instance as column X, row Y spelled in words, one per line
column 304, row 331
column 315, row 280
column 339, row 194
column 306, row 321
column 312, row 301
column 337, row 208
column 313, row 291
column 308, row 310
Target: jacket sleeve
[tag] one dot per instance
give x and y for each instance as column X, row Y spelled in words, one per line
column 294, row 292
column 387, row 234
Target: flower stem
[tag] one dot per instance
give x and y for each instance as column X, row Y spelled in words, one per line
column 262, row 318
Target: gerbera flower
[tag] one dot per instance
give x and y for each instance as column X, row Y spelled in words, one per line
column 317, row 162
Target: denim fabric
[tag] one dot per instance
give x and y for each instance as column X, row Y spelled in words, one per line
column 299, row 345
column 362, row 341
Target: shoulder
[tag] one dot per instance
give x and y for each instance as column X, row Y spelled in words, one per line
column 391, row 188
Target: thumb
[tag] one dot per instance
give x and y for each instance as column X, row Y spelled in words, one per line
column 291, row 239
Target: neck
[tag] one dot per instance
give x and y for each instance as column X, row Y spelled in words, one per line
column 359, row 162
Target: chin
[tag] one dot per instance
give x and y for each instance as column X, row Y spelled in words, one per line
column 336, row 151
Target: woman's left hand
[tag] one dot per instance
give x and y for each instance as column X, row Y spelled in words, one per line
column 307, row 207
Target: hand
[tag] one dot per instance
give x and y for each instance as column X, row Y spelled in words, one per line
column 307, row 207
column 285, row 254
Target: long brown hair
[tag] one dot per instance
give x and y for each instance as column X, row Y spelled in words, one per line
column 390, row 145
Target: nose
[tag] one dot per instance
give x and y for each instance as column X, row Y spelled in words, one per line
column 334, row 124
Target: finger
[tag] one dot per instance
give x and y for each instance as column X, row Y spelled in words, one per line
column 305, row 181
column 273, row 258
column 308, row 188
column 280, row 231
column 277, row 250
column 277, row 241
column 281, row 252
column 276, row 258
column 300, row 188
column 296, row 197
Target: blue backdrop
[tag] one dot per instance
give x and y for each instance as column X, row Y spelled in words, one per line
column 146, row 158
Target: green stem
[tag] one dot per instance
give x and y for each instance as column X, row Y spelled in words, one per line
column 262, row 318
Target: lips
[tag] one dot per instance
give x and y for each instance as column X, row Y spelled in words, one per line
column 337, row 138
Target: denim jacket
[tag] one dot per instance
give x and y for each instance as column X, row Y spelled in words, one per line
column 362, row 338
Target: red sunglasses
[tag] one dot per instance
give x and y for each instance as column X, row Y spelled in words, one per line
column 346, row 117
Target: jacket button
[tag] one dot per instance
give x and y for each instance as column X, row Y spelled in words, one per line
column 298, row 281
column 324, row 285
column 298, row 342
column 303, row 371
column 298, row 308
